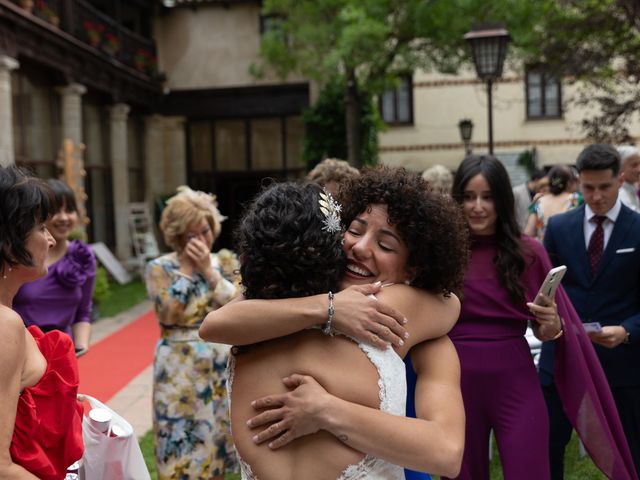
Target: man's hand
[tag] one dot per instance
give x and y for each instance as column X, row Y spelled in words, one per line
column 366, row 319
column 610, row 336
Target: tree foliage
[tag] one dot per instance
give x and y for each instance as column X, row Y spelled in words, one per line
column 383, row 39
column 367, row 44
column 370, row 44
column 326, row 127
column 594, row 44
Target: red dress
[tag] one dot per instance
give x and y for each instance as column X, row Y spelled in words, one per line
column 47, row 436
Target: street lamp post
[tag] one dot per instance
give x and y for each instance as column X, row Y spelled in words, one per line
column 466, row 129
column 488, row 49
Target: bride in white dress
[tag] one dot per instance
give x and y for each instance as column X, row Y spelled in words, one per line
column 289, row 245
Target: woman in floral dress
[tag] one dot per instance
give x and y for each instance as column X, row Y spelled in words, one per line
column 562, row 196
column 191, row 424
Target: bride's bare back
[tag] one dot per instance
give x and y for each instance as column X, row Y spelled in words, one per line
column 337, row 363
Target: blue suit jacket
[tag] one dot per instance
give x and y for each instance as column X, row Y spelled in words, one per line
column 611, row 296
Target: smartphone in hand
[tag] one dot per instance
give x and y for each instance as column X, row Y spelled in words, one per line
column 550, row 284
column 592, row 327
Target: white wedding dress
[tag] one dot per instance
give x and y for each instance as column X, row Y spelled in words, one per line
column 393, row 394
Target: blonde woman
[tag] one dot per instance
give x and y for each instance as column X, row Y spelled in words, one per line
column 190, row 418
column 440, row 179
column 331, row 173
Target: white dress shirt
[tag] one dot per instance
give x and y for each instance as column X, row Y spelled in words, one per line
column 629, row 196
column 590, row 226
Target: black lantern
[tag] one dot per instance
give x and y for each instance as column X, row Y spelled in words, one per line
column 488, row 49
column 466, row 130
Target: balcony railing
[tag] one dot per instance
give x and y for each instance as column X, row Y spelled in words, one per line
column 85, row 22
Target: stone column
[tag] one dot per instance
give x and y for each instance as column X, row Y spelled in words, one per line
column 7, row 154
column 120, row 178
column 74, row 173
column 72, row 111
column 153, row 158
column 175, row 163
column 154, row 180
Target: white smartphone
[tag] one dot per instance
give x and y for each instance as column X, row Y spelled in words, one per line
column 550, row 284
column 592, row 327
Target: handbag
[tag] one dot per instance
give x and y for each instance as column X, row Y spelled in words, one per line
column 109, row 457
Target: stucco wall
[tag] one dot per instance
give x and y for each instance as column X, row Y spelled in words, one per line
column 441, row 101
column 210, row 46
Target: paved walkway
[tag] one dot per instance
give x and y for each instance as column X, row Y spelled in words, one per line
column 133, row 402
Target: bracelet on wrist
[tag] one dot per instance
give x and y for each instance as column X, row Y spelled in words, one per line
column 558, row 335
column 326, row 329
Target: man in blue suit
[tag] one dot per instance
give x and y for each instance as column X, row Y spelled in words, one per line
column 599, row 242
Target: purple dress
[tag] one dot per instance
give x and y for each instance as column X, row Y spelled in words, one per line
column 499, row 382
column 63, row 296
column 500, row 387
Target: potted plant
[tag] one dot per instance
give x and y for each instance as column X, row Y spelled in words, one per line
column 44, row 11
column 94, row 32
column 140, row 59
column 111, row 43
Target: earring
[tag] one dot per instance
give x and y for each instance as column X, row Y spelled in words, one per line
column 4, row 277
column 407, row 282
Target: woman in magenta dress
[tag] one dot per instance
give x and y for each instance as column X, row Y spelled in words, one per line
column 41, row 419
column 61, row 300
column 499, row 382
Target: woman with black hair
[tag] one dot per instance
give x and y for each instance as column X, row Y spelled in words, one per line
column 40, row 417
column 499, row 382
column 324, row 388
column 562, row 196
column 62, row 299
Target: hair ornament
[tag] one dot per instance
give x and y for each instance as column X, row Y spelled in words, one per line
column 331, row 211
column 557, row 182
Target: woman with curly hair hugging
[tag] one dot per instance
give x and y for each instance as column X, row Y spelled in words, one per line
column 315, row 373
column 190, row 416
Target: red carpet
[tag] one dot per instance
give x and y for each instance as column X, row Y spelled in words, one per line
column 117, row 359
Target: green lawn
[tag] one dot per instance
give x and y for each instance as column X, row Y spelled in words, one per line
column 123, row 297
column 576, row 467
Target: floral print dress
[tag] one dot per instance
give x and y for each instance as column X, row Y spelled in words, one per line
column 574, row 200
column 190, row 409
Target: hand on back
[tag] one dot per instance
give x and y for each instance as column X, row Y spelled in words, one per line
column 366, row 319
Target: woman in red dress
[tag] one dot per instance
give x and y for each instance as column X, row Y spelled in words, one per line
column 41, row 419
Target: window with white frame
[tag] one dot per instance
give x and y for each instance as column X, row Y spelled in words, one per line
column 544, row 94
column 396, row 105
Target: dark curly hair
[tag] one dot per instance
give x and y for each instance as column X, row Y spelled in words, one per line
column 284, row 251
column 24, row 202
column 431, row 225
column 509, row 260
